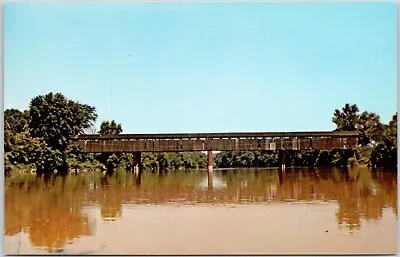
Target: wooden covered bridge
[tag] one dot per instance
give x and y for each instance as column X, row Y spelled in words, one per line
column 238, row 141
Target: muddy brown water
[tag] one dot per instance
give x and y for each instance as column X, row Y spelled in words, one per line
column 236, row 211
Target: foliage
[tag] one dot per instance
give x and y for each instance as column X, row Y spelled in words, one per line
column 187, row 160
column 346, row 119
column 50, row 161
column 227, row 159
column 55, row 118
column 149, row 161
column 384, row 155
column 110, row 128
column 41, row 134
column 377, row 145
column 369, row 127
column 38, row 138
column 112, row 162
column 377, row 141
column 23, row 149
column 15, row 120
column 79, row 159
column 128, row 160
column 390, row 132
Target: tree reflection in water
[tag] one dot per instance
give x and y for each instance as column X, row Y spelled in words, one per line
column 50, row 209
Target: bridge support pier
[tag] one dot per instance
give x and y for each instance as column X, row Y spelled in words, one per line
column 139, row 166
column 209, row 161
column 283, row 159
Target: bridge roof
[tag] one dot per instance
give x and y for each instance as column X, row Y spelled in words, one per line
column 218, row 135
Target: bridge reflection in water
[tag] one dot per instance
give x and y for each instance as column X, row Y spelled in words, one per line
column 50, row 210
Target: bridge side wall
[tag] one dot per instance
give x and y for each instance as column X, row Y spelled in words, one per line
column 186, row 145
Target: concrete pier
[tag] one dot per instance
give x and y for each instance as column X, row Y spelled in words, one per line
column 283, row 159
column 139, row 166
column 209, row 161
column 210, row 181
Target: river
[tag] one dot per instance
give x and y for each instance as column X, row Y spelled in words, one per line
column 232, row 211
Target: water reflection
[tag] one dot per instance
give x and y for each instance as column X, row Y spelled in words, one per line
column 50, row 209
column 212, row 181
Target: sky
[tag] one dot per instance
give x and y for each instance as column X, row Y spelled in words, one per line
column 205, row 67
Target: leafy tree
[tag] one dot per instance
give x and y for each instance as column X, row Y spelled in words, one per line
column 377, row 142
column 369, row 127
column 15, row 120
column 293, row 158
column 226, row 159
column 110, row 128
column 8, row 140
column 347, row 118
column 20, row 148
column 177, row 160
column 199, row 159
column 385, row 153
column 149, row 161
column 51, row 160
column 163, row 160
column 246, row 159
column 24, row 149
column 55, row 118
column 390, row 132
column 112, row 162
column 78, row 158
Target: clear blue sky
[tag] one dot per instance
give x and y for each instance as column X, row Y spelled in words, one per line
column 205, row 67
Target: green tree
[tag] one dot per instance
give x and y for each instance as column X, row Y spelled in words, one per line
column 369, row 127
column 15, row 120
column 347, row 118
column 149, row 161
column 390, row 132
column 110, row 128
column 385, row 153
column 24, row 149
column 55, row 118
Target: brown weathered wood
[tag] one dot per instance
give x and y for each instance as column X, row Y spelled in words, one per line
column 99, row 144
column 352, row 142
column 218, row 135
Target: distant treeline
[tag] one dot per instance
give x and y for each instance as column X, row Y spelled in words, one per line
column 336, row 158
column 377, row 146
column 38, row 139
